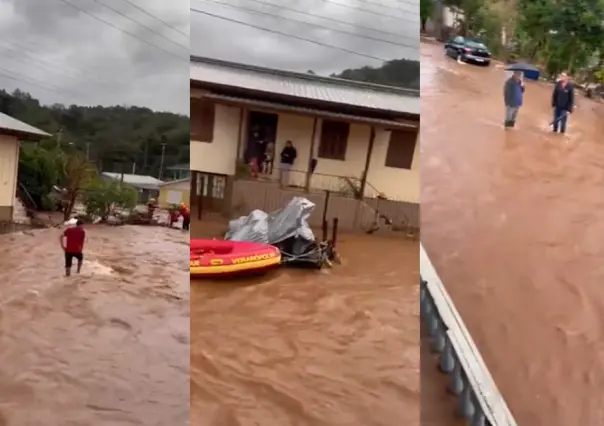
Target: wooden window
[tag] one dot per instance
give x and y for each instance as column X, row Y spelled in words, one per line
column 401, row 149
column 203, row 114
column 334, row 140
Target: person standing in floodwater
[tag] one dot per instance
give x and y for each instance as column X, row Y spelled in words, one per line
column 563, row 102
column 186, row 216
column 513, row 92
column 72, row 243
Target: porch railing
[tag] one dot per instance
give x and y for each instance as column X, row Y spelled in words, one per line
column 480, row 402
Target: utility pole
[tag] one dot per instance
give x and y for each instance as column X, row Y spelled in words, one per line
column 59, row 137
column 146, row 156
column 87, row 151
column 164, row 142
column 439, row 11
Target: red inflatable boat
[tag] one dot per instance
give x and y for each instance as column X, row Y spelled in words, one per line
column 211, row 258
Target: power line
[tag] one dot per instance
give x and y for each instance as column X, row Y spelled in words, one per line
column 337, row 21
column 156, row 18
column 35, row 80
column 21, row 80
column 124, row 31
column 414, row 4
column 48, row 66
column 360, row 9
column 311, row 24
column 308, row 40
column 33, row 59
column 114, row 10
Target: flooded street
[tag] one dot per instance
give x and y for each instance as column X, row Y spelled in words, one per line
column 107, row 348
column 513, row 222
column 304, row 348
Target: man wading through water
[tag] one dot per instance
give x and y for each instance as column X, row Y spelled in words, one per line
column 513, row 91
column 72, row 243
column 563, row 102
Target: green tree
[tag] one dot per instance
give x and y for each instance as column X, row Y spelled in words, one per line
column 39, row 171
column 104, row 198
column 77, row 174
column 426, row 9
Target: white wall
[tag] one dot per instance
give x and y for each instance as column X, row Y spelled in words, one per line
column 397, row 184
column 9, row 161
column 219, row 156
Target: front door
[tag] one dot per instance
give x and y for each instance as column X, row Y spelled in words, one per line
column 210, row 192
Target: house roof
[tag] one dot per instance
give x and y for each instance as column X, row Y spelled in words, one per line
column 391, row 124
column 173, row 182
column 138, row 181
column 305, row 86
column 11, row 125
column 182, row 166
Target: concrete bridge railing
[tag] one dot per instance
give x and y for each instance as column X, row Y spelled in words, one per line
column 480, row 402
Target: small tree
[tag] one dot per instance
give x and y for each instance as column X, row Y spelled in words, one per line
column 426, row 9
column 77, row 172
column 38, row 172
column 104, row 198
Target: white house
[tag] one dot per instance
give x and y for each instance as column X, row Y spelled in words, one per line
column 11, row 132
column 355, row 132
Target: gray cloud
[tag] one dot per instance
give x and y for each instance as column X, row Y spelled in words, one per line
column 62, row 55
column 221, row 39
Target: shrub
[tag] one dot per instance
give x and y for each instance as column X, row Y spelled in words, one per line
column 106, row 198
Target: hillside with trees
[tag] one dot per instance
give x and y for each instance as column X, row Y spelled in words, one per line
column 86, row 141
column 399, row 73
column 115, row 138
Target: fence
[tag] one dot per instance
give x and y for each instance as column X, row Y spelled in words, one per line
column 353, row 214
column 480, row 402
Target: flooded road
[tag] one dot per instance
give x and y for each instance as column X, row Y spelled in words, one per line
column 107, row 348
column 513, row 222
column 306, row 348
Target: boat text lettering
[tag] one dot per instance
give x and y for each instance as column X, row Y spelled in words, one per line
column 254, row 258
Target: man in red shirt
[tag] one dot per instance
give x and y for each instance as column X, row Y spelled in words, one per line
column 72, row 243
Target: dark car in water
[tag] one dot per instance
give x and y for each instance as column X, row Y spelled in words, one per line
column 468, row 49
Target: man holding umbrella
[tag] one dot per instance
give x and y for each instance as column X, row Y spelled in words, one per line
column 513, row 91
column 563, row 102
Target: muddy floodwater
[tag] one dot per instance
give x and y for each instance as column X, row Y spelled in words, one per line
column 513, row 221
column 303, row 348
column 107, row 348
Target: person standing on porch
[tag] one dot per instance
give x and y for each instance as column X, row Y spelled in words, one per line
column 269, row 157
column 253, row 152
column 288, row 157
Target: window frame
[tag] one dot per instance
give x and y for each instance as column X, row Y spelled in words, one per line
column 333, row 146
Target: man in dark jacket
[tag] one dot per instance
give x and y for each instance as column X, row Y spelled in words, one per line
column 513, row 92
column 288, row 157
column 563, row 102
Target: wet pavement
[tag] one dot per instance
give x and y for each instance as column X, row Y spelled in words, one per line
column 109, row 347
column 338, row 347
column 513, row 223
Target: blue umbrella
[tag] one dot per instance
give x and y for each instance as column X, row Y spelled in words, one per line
column 522, row 67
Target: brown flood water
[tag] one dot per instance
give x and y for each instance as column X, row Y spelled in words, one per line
column 514, row 222
column 107, row 348
column 304, row 348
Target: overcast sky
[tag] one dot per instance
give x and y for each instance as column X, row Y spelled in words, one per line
column 396, row 21
column 61, row 55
